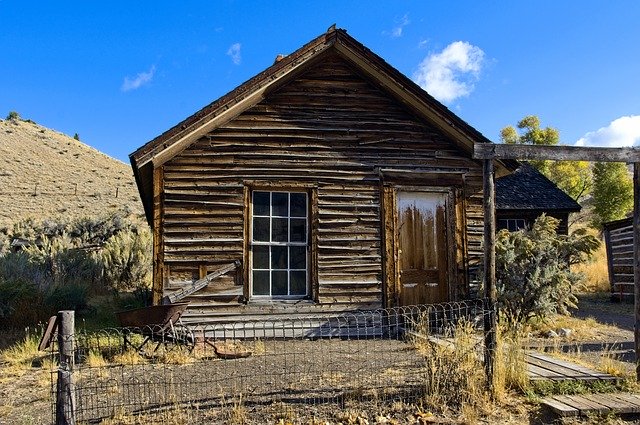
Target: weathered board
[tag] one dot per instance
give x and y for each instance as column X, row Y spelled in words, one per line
column 337, row 136
column 544, row 367
column 618, row 237
column 592, row 404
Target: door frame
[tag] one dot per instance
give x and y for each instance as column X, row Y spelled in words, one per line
column 390, row 236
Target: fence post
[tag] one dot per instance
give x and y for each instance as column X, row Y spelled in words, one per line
column 65, row 393
column 490, row 320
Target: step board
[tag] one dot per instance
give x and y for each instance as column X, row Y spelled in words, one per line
column 589, row 404
column 544, row 367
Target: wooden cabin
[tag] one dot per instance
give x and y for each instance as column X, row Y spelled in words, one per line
column 618, row 237
column 525, row 195
column 328, row 182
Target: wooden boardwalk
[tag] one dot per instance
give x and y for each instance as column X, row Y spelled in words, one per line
column 541, row 366
column 588, row 404
column 544, row 367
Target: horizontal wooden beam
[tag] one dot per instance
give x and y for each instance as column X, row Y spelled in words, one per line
column 555, row 153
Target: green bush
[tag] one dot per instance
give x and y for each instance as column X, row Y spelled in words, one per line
column 68, row 262
column 533, row 274
column 127, row 261
column 13, row 116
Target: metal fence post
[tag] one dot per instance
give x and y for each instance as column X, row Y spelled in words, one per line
column 65, row 394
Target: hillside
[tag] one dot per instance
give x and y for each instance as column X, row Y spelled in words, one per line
column 47, row 174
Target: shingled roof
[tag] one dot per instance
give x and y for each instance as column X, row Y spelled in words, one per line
column 528, row 189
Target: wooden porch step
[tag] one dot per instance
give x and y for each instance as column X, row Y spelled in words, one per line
column 544, row 367
column 589, row 404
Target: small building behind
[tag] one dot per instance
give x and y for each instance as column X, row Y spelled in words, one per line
column 525, row 194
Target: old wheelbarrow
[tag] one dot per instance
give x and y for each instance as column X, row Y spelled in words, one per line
column 158, row 324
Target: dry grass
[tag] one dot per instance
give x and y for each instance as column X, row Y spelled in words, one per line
column 22, row 353
column 455, row 378
column 588, row 329
column 73, row 180
column 511, row 367
column 596, row 272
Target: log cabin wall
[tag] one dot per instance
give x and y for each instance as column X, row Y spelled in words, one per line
column 329, row 133
column 618, row 236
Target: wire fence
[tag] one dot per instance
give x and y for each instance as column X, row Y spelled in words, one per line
column 305, row 365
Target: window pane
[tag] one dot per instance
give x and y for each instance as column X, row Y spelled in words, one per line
column 279, row 258
column 280, row 204
column 260, row 257
column 298, row 230
column 260, row 203
column 261, row 229
column 298, row 257
column 298, row 283
column 279, row 283
column 260, row 283
column 298, row 205
column 279, row 231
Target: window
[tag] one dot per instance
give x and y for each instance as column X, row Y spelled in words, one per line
column 279, row 244
column 512, row 224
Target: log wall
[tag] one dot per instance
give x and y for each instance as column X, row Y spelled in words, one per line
column 619, row 243
column 330, row 132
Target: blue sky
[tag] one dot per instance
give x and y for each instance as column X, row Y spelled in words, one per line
column 120, row 73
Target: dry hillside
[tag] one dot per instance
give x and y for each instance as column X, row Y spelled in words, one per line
column 47, row 174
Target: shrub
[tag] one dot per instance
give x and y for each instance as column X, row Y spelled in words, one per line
column 13, row 116
column 127, row 261
column 533, row 274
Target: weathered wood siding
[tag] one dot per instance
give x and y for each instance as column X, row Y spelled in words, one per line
column 330, row 132
column 619, row 243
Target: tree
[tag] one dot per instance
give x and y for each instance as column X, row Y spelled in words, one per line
column 573, row 177
column 13, row 116
column 612, row 192
column 533, row 273
column 76, row 136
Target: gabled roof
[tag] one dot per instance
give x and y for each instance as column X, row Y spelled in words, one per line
column 528, row 189
column 169, row 144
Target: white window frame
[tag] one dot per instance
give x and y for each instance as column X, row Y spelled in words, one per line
column 518, row 224
column 271, row 243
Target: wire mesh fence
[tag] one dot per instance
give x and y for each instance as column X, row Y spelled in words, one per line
column 307, row 364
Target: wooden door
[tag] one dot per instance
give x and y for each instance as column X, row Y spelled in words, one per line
column 422, row 247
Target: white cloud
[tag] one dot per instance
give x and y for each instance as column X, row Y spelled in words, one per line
column 622, row 132
column 400, row 24
column 234, row 53
column 450, row 74
column 141, row 79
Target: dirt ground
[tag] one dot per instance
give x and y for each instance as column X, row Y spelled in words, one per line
column 302, row 396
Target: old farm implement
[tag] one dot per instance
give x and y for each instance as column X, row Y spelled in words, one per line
column 159, row 324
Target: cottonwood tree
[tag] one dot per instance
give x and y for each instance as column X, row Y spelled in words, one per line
column 612, row 192
column 573, row 177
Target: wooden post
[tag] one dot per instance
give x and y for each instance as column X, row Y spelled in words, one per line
column 636, row 261
column 490, row 320
column 65, row 394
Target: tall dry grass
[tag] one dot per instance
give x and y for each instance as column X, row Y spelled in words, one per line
column 595, row 272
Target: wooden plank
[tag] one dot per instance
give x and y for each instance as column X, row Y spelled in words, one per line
column 560, row 408
column 158, row 229
column 632, row 401
column 544, row 373
column 571, row 366
column 636, row 261
column 611, row 402
column 584, row 404
column 199, row 284
column 552, row 370
column 556, row 153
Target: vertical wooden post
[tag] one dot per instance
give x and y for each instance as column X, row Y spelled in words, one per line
column 636, row 261
column 65, row 394
column 490, row 320
column 158, row 245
